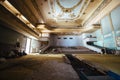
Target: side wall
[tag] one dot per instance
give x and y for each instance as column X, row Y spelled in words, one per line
column 8, row 39
column 109, row 34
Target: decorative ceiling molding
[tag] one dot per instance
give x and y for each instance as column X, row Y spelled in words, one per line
column 18, row 15
column 15, row 24
column 98, row 10
column 68, row 13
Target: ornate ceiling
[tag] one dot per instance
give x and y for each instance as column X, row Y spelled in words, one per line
column 65, row 10
column 66, row 13
column 58, row 16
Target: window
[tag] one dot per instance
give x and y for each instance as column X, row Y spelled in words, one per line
column 70, row 38
column 65, row 38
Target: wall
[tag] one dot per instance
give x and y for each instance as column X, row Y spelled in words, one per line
column 115, row 16
column 109, row 34
column 67, row 40
column 35, row 46
column 8, row 39
column 99, row 37
column 8, row 36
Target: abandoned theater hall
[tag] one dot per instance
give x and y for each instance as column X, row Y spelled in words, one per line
column 59, row 39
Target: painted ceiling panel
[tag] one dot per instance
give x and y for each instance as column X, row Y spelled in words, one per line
column 66, row 10
column 59, row 12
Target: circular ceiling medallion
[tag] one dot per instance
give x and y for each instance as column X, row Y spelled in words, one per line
column 68, row 6
column 69, row 3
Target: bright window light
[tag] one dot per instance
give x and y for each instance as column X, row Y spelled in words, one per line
column 28, row 45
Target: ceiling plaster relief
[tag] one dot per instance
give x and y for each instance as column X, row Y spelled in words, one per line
column 65, row 10
column 98, row 10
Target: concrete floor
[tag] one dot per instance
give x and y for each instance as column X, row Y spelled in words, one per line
column 37, row 67
column 52, row 66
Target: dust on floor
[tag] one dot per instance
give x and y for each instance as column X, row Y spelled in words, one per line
column 37, row 67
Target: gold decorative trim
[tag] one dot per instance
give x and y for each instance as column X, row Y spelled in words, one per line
column 64, row 10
